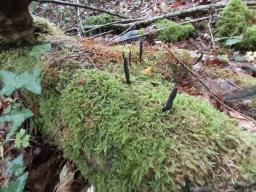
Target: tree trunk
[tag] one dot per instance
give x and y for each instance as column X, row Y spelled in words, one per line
column 15, row 21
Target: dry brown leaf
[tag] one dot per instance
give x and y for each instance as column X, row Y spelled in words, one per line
column 148, row 71
column 66, row 179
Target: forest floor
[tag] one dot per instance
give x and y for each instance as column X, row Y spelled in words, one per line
column 213, row 72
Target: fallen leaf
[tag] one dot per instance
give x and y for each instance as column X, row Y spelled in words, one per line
column 148, row 71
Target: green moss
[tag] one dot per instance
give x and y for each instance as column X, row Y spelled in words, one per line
column 174, row 32
column 17, row 60
column 234, row 20
column 249, row 38
column 99, row 19
column 120, row 140
column 43, row 26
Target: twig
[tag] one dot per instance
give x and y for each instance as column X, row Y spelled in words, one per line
column 127, row 30
column 210, row 30
column 209, row 89
column 92, row 37
column 79, row 22
column 92, row 62
column 41, row 13
column 81, row 6
column 94, row 27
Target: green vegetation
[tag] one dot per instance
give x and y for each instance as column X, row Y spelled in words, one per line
column 15, row 114
column 99, row 19
column 174, row 32
column 237, row 26
column 42, row 26
column 120, row 140
column 235, row 18
column 118, row 136
column 249, row 38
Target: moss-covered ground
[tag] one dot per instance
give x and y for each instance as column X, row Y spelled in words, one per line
column 116, row 133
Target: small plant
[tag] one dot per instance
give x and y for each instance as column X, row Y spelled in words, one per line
column 14, row 114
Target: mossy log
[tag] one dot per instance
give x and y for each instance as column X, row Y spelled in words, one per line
column 118, row 137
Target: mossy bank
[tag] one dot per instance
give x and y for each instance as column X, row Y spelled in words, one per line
column 118, row 137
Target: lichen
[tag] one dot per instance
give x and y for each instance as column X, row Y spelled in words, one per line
column 173, row 32
column 117, row 135
column 234, row 20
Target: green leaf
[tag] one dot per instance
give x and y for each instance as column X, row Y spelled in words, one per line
column 221, row 38
column 22, row 139
column 9, row 80
column 16, row 117
column 232, row 41
column 39, row 50
column 16, row 168
column 17, row 185
column 30, row 81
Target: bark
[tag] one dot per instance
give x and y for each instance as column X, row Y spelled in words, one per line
column 15, row 21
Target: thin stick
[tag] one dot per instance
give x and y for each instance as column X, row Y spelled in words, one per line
column 210, row 30
column 127, row 30
column 92, row 62
column 81, row 6
column 104, row 33
column 209, row 89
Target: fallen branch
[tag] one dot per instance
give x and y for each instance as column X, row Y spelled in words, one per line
column 81, row 6
column 183, row 12
column 121, row 39
column 94, row 27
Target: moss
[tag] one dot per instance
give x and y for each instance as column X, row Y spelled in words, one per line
column 44, row 26
column 120, row 140
column 99, row 19
column 249, row 38
column 17, row 60
column 118, row 137
column 235, row 18
column 174, row 32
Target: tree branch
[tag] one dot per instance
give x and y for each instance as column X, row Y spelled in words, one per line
column 80, row 6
